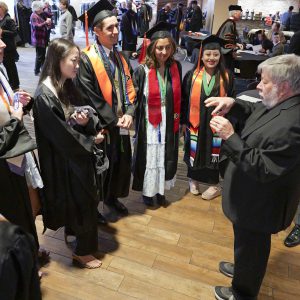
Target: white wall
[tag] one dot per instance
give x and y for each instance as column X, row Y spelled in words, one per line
column 268, row 6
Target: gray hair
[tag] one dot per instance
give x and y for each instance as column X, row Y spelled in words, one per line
column 36, row 5
column 232, row 13
column 283, row 68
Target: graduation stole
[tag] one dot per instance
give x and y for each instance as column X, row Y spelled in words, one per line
column 103, row 79
column 194, row 114
column 154, row 97
column 6, row 93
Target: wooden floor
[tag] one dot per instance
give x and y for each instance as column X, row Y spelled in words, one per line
column 168, row 253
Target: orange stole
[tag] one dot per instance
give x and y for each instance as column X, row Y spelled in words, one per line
column 103, row 79
column 195, row 96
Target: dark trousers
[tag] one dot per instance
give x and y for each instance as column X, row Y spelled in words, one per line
column 11, row 69
column 39, row 59
column 117, row 181
column 251, row 254
column 87, row 242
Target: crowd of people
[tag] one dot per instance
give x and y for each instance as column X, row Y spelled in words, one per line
column 85, row 108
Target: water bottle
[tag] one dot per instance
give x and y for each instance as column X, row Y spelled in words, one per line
column 16, row 101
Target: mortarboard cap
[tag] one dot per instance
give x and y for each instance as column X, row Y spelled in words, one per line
column 213, row 42
column 160, row 31
column 98, row 12
column 234, row 7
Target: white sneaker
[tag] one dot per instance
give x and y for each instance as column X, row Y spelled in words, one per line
column 194, row 187
column 211, row 193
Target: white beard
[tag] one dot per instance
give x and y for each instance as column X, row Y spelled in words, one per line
column 270, row 100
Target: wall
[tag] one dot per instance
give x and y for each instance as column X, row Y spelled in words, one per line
column 268, row 6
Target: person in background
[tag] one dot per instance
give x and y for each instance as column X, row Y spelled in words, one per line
column 196, row 22
column 178, row 18
column 261, row 188
column 229, row 33
column 266, row 44
column 72, row 10
column 158, row 86
column 22, row 15
column 129, row 29
column 294, row 46
column 164, row 14
column 145, row 16
column 278, row 47
column 66, row 137
column 39, row 34
column 65, row 21
column 276, row 29
column 293, row 23
column 285, row 16
column 208, row 78
column 276, row 17
column 8, row 31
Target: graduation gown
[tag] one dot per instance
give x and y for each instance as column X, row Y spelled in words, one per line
column 129, row 31
column 18, row 269
column 140, row 144
column 15, row 203
column 67, row 167
column 118, row 150
column 144, row 19
column 203, row 169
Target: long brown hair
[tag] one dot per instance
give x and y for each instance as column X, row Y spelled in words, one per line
column 151, row 60
column 58, row 50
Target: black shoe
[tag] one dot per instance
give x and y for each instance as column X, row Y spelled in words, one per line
column 100, row 219
column 293, row 239
column 223, row 293
column 226, row 268
column 161, row 200
column 119, row 207
column 148, row 201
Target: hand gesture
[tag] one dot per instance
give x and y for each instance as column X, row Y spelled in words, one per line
column 222, row 127
column 80, row 118
column 222, row 104
column 99, row 138
column 125, row 121
column 24, row 97
column 17, row 113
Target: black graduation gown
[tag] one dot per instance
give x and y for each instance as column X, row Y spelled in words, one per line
column 15, row 203
column 196, row 20
column 129, row 41
column 144, row 19
column 140, row 144
column 117, row 179
column 67, row 167
column 203, row 169
column 18, row 269
column 23, row 16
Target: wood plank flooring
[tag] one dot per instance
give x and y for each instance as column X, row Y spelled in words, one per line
column 169, row 253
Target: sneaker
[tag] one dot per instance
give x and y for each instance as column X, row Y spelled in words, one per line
column 293, row 239
column 194, row 187
column 226, row 268
column 223, row 293
column 211, row 193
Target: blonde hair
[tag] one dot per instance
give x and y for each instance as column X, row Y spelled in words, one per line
column 4, row 6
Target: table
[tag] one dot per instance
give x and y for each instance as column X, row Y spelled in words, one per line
column 247, row 63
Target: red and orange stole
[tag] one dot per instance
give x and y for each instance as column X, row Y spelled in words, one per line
column 194, row 116
column 154, row 97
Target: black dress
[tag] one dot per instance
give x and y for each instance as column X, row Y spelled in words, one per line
column 203, row 169
column 68, row 171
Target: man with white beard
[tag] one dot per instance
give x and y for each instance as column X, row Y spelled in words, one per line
column 261, row 180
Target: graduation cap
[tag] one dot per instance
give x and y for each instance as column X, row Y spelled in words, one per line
column 97, row 13
column 213, row 42
column 234, row 7
column 160, row 31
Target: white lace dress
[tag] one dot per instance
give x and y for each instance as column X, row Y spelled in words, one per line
column 154, row 178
